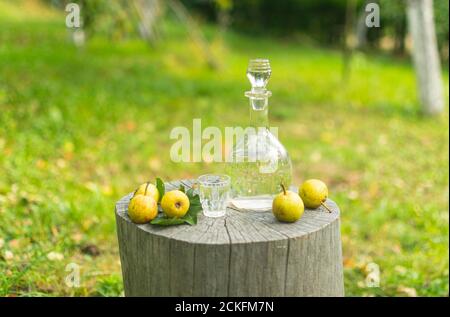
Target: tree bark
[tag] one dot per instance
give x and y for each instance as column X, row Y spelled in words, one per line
column 425, row 55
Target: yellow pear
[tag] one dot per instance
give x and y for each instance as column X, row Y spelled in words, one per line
column 314, row 193
column 287, row 206
column 175, row 204
column 142, row 209
column 148, row 189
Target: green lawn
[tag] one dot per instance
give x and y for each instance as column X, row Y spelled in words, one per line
column 80, row 129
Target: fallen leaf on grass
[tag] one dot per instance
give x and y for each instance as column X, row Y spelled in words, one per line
column 130, row 126
column 353, row 195
column 61, row 163
column 46, row 289
column 27, row 222
column 400, row 269
column 315, row 156
column 55, row 231
column 86, row 224
column 93, row 187
column 18, row 243
column 382, row 139
column 41, row 164
column 409, row 291
column 55, row 256
column 8, row 255
column 77, row 237
column 349, row 263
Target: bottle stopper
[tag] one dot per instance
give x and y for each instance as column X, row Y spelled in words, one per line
column 258, row 73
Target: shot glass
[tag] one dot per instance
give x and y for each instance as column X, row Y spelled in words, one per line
column 214, row 192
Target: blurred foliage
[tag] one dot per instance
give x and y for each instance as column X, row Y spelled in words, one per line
column 81, row 128
column 109, row 286
column 110, row 18
column 441, row 16
column 320, row 20
column 107, row 17
column 394, row 21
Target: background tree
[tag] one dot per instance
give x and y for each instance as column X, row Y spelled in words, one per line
column 425, row 55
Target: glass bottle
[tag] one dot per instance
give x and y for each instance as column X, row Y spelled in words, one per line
column 258, row 162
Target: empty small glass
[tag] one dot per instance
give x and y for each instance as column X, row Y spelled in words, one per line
column 214, row 191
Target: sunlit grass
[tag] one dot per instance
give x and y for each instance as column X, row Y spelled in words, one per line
column 80, row 129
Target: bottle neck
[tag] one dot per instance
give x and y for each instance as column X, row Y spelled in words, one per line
column 259, row 112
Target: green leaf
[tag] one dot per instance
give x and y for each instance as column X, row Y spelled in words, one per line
column 190, row 220
column 195, row 207
column 164, row 221
column 161, row 188
column 182, row 189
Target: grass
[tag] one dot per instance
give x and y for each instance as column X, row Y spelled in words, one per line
column 81, row 128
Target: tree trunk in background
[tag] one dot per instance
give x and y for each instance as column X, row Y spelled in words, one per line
column 361, row 28
column 425, row 55
column 194, row 31
column 149, row 13
column 348, row 38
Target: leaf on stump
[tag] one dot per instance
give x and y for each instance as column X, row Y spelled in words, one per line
column 161, row 187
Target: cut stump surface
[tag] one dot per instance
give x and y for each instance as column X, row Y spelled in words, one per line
column 241, row 254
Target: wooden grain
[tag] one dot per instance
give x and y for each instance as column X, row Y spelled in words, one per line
column 241, row 254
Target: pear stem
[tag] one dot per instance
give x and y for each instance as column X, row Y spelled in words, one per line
column 284, row 188
column 146, row 186
column 326, row 207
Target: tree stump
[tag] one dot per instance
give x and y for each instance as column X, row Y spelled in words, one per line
column 241, row 254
